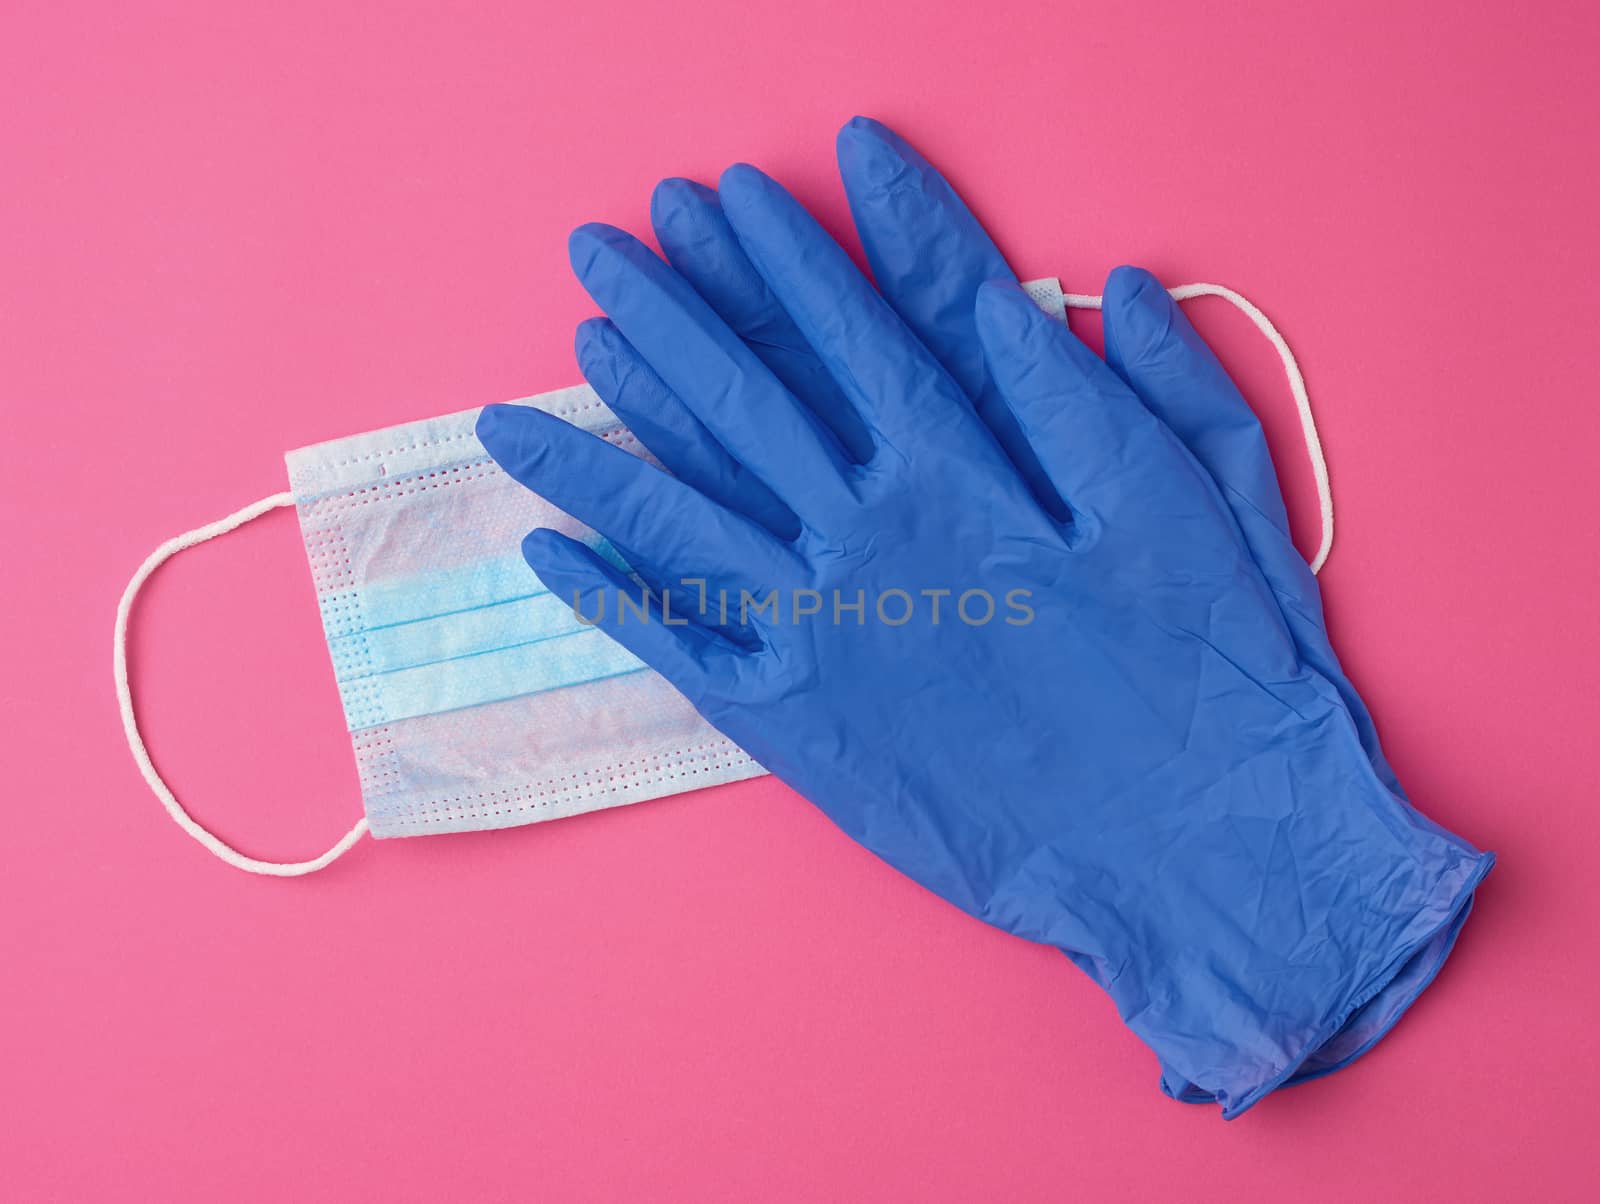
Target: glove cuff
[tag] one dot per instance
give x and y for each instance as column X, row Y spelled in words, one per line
column 1378, row 1004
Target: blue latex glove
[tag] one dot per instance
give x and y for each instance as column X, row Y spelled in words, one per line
column 1147, row 775
column 908, row 217
column 930, row 255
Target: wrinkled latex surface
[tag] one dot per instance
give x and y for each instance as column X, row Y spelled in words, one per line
column 929, row 256
column 1164, row 774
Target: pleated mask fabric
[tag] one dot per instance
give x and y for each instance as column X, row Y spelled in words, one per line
column 474, row 697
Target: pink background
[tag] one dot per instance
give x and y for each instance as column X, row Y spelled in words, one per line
column 226, row 235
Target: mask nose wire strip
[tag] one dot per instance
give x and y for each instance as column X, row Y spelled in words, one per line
column 130, row 724
column 1297, row 386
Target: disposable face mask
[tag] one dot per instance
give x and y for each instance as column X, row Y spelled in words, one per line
column 474, row 697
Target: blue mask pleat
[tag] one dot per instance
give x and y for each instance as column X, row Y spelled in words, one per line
column 465, row 636
column 534, row 667
column 446, row 637
column 448, row 591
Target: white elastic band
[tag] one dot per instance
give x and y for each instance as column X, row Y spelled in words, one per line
column 1297, row 386
column 130, row 725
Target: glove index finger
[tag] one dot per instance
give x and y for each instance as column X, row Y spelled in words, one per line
column 700, row 244
column 669, row 429
column 897, row 386
column 927, row 251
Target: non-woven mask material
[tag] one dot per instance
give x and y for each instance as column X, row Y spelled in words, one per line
column 474, row 697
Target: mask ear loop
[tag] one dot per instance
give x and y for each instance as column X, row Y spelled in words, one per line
column 130, row 724
column 1297, row 386
column 294, row 869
